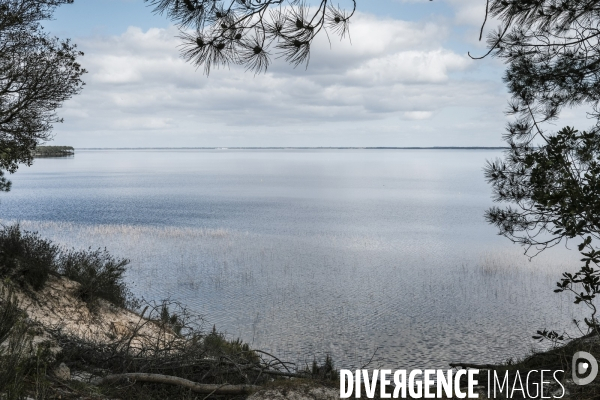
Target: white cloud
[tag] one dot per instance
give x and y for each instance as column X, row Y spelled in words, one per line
column 394, row 71
column 418, row 115
column 469, row 12
column 412, row 66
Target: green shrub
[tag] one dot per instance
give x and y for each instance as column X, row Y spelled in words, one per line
column 172, row 320
column 10, row 314
column 25, row 257
column 216, row 345
column 15, row 347
column 23, row 363
column 100, row 275
column 28, row 259
column 326, row 371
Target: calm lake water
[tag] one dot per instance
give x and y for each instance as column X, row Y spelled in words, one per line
column 310, row 252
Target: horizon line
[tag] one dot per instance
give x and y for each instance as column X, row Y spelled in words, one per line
column 301, row 148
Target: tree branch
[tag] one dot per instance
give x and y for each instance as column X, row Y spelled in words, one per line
column 225, row 389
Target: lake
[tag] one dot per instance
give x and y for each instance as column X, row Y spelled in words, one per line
column 304, row 253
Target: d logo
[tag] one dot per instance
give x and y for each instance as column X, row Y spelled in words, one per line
column 582, row 363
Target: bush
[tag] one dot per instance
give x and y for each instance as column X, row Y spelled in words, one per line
column 25, row 257
column 216, row 345
column 16, row 361
column 10, row 314
column 171, row 320
column 100, row 276
column 326, row 371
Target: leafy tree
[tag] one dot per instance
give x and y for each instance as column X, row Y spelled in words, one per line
column 249, row 32
column 552, row 50
column 555, row 188
column 551, row 180
column 37, row 74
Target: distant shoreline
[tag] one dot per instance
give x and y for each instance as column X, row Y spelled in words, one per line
column 296, row 148
column 53, row 151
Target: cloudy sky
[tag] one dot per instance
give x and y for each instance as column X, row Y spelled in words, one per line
column 404, row 80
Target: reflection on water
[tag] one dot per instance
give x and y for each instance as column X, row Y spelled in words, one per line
column 308, row 253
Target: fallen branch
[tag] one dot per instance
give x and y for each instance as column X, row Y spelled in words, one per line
column 272, row 356
column 174, row 380
column 281, row 373
column 246, row 367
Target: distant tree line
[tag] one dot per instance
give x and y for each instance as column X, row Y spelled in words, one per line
column 53, row 151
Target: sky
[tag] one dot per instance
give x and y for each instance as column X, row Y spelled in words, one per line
column 404, row 79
